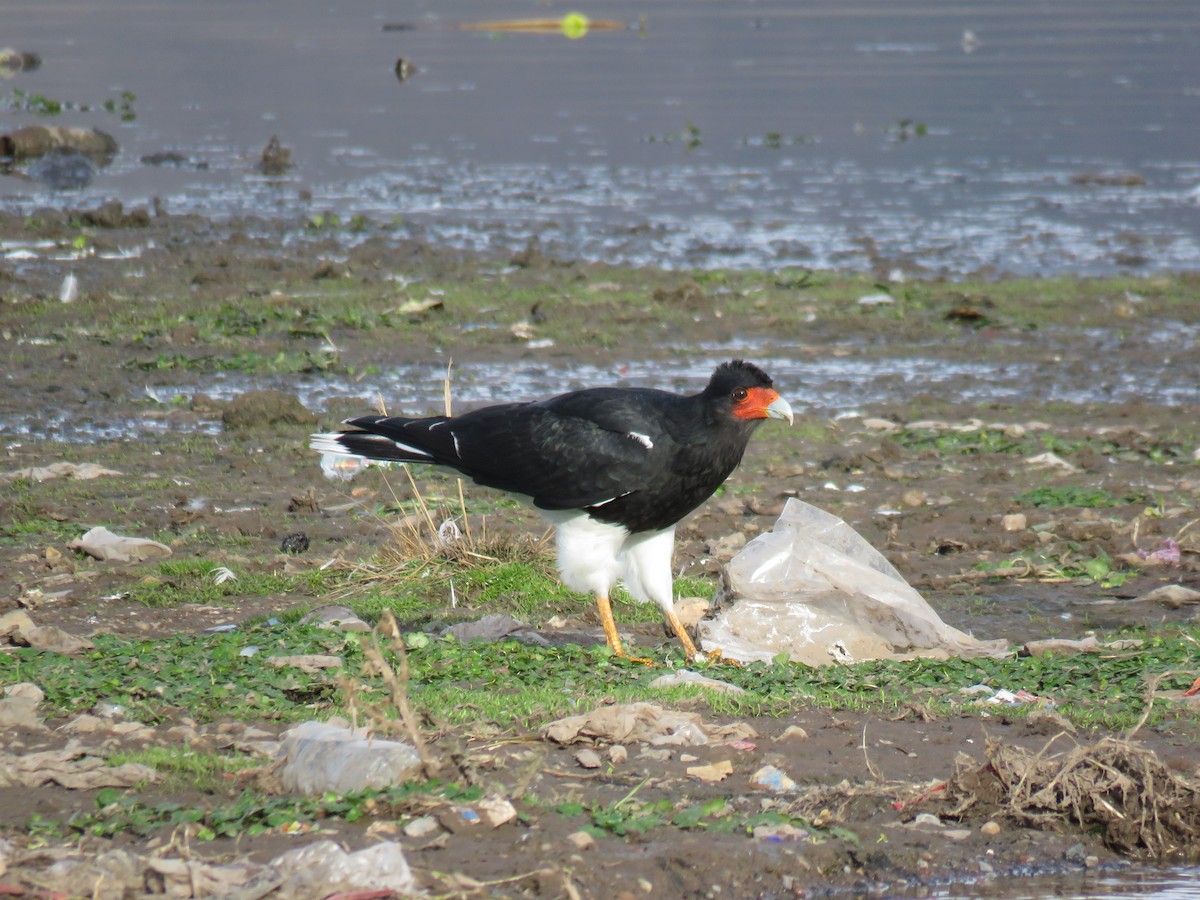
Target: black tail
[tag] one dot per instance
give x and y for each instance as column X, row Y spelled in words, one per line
column 392, row 438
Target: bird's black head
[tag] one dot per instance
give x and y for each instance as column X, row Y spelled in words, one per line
column 746, row 392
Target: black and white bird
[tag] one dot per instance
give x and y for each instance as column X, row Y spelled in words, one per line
column 614, row 469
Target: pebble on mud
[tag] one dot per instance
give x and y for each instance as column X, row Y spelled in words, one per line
column 989, row 828
column 1014, row 522
column 581, row 840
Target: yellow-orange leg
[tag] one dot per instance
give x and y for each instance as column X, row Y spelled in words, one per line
column 689, row 648
column 610, row 631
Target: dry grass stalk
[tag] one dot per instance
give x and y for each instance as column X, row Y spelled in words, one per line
column 397, row 681
column 1142, row 807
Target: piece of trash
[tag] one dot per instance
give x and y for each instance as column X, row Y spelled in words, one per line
column 324, row 869
column 1050, row 460
column 1172, row 596
column 1068, row 647
column 573, row 25
column 221, row 574
column 71, row 767
column 337, row 467
column 688, row 677
column 813, row 588
column 1018, row 698
column 1169, row 553
column 80, row 472
column 18, row 706
column 641, row 722
column 68, row 292
column 773, row 779
column 416, row 307
column 713, row 772
column 102, row 544
column 876, row 300
column 317, row 757
column 777, row 834
column 249, row 650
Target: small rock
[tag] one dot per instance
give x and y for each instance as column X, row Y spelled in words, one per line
column 422, row 827
column 588, row 759
column 1014, row 522
column 989, row 828
column 617, row 754
column 497, row 811
column 296, row 542
column 793, row 733
column 581, row 840
column 914, row 498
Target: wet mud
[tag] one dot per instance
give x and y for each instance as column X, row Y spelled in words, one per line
column 929, row 461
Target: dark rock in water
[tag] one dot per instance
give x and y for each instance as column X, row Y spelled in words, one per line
column 34, row 141
column 173, row 158
column 276, row 158
column 259, row 409
column 296, row 542
column 63, row 169
column 12, row 61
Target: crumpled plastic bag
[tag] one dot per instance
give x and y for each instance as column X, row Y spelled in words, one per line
column 104, row 545
column 815, row 589
column 317, row 757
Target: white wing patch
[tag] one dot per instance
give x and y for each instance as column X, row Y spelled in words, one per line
column 643, row 439
column 608, row 501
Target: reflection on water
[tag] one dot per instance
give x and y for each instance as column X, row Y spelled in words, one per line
column 953, row 136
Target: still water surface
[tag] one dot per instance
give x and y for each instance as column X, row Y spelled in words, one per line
column 946, row 136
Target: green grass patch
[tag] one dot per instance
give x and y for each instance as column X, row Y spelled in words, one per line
column 175, row 581
column 511, row 685
column 186, row 768
column 1054, row 497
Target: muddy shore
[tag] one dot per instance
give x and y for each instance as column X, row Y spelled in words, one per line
column 101, row 313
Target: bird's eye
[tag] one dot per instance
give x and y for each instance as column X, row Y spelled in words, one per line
column 740, row 394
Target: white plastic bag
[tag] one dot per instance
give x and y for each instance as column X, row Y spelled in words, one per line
column 815, row 589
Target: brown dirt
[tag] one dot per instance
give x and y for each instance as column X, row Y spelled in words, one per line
column 261, row 485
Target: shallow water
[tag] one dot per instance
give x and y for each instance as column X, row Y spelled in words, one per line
column 836, row 385
column 717, row 134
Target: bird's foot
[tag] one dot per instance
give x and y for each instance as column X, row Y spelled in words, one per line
column 641, row 660
column 715, row 657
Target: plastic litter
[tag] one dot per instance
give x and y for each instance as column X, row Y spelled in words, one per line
column 330, row 756
column 813, row 588
column 104, row 545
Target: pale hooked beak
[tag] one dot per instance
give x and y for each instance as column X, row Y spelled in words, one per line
column 780, row 409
